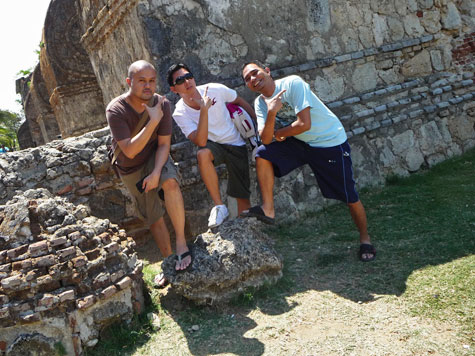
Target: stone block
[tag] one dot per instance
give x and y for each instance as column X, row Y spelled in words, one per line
column 108, row 292
column 67, row 296
column 16, row 252
column 335, row 104
column 358, row 130
column 21, row 265
column 12, row 282
column 66, row 252
column 112, row 247
column 58, row 241
column 44, row 261
column 38, row 248
column 352, row 100
column 380, row 109
column 443, row 105
column 79, row 261
column 364, row 113
column 85, row 302
column 124, row 283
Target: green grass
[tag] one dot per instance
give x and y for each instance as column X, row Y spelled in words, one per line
column 423, row 227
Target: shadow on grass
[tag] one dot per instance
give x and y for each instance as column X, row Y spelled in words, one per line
column 426, row 219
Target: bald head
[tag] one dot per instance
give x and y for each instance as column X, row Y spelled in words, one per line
column 138, row 66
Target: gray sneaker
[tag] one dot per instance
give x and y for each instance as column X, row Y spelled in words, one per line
column 218, row 214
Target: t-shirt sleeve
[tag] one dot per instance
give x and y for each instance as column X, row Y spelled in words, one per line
column 300, row 94
column 260, row 107
column 117, row 124
column 165, row 126
column 186, row 125
column 227, row 94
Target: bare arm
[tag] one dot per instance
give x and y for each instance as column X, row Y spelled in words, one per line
column 273, row 106
column 132, row 146
column 200, row 136
column 302, row 124
column 161, row 156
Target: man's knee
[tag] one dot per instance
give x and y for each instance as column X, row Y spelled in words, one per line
column 170, row 185
column 204, row 155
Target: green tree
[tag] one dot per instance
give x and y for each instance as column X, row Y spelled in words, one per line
column 9, row 124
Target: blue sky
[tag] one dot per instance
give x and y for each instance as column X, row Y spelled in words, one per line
column 21, row 25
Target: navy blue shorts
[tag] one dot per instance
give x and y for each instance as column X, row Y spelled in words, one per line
column 331, row 165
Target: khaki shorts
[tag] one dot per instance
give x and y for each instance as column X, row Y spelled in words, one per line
column 149, row 206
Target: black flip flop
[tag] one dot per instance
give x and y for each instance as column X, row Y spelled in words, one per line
column 179, row 258
column 257, row 212
column 366, row 249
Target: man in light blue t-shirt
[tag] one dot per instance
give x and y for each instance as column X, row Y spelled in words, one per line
column 316, row 138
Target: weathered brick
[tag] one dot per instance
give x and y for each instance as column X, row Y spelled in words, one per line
column 105, row 237
column 117, row 275
column 6, row 267
column 124, row 283
column 44, row 261
column 47, row 302
column 4, row 313
column 3, row 256
column 18, row 251
column 67, row 295
column 38, row 248
column 85, row 302
column 380, row 108
column 21, row 265
column 74, row 235
column 101, row 280
column 104, row 185
column 79, row 261
column 67, row 252
column 84, row 191
column 359, row 130
column 112, row 247
column 352, row 100
column 12, row 281
column 335, row 104
column 30, row 317
column 364, row 113
column 57, row 241
column 85, row 182
column 64, row 190
column 108, row 292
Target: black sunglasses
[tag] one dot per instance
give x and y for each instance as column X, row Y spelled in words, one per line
column 181, row 79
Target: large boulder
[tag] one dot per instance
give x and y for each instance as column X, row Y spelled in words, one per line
column 235, row 256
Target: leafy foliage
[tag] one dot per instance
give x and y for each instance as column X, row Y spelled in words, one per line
column 9, row 124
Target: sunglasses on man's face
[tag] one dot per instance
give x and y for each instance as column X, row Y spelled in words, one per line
column 181, row 79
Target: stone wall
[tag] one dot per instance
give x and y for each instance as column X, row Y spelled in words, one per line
column 64, row 275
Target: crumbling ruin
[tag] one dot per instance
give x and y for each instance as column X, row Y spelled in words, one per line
column 64, row 275
column 226, row 261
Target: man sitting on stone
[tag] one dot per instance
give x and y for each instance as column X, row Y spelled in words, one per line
column 202, row 116
column 146, row 156
column 316, row 138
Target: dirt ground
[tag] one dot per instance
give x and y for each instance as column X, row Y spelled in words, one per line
column 311, row 320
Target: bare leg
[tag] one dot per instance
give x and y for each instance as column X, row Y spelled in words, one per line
column 358, row 214
column 265, row 176
column 176, row 212
column 242, row 204
column 209, row 175
column 161, row 236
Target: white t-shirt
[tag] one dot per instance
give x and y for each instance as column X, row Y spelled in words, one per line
column 221, row 129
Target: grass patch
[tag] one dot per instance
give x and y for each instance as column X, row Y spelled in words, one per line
column 423, row 227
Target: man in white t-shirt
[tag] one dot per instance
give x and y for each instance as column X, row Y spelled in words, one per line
column 202, row 116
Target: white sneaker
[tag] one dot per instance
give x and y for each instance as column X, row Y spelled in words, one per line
column 218, row 214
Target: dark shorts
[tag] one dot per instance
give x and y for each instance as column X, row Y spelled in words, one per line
column 148, row 206
column 236, row 161
column 331, row 165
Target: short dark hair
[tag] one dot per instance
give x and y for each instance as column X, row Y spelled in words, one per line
column 174, row 68
column 254, row 61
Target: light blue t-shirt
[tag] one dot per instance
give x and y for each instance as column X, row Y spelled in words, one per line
column 326, row 129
